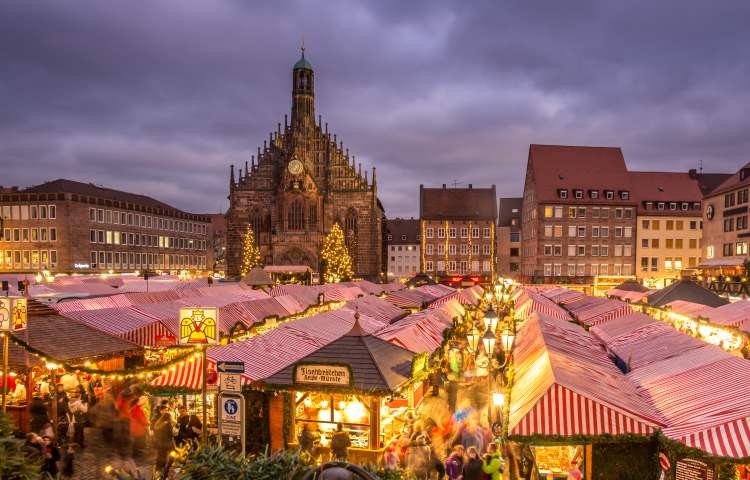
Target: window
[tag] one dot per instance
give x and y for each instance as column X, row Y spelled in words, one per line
column 52, row 234
column 464, row 249
column 486, row 249
column 34, row 213
column 669, row 243
column 604, row 251
column 581, row 250
column 562, row 193
column 581, row 212
column 668, row 264
column 429, row 266
column 595, row 231
column 557, row 269
column 452, row 232
column 604, row 232
column 594, row 250
column 452, row 249
column 486, row 232
column 548, row 231
column 594, row 269
column 581, row 232
column 441, row 232
column 35, row 234
column 514, row 236
column 595, row 212
column 571, row 212
column 403, row 237
column 693, row 243
column 644, row 243
column 475, row 232
column 594, row 194
column 628, row 212
column 558, row 212
column 92, row 236
column 678, row 243
column 578, row 193
column 727, row 249
column 618, row 232
column 557, row 250
column 693, row 225
column 729, row 200
column 441, row 249
column 572, row 230
column 624, row 195
column 464, row 232
column 673, row 205
column 429, row 231
column 549, row 211
column 571, row 250
column 628, row 231
column 644, row 264
column 558, row 231
column 548, row 250
column 452, row 266
column 547, row 269
column 475, row 249
column 710, row 251
column 390, row 237
column 728, row 224
column 741, row 222
column 679, row 225
column 609, row 194
column 618, row 250
column 740, row 248
column 684, row 206
column 645, row 224
column 571, row 270
column 605, row 212
column 654, row 243
column 618, row 212
column 603, row 269
column 429, row 249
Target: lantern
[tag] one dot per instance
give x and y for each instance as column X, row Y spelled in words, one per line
column 507, row 339
column 498, row 399
column 490, row 319
column 489, row 342
column 473, row 338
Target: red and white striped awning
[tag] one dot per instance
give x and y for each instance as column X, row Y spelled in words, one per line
column 188, row 374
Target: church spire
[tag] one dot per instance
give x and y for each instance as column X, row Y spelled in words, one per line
column 303, row 92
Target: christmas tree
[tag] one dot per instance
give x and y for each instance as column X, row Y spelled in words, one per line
column 14, row 463
column 250, row 252
column 337, row 263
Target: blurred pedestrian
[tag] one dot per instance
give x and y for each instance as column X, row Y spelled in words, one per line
column 163, row 440
column 189, row 427
column 473, row 465
column 340, row 443
column 454, row 465
column 79, row 410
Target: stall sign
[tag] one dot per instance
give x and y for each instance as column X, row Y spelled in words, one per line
column 164, row 340
column 199, row 326
column 323, row 374
column 689, row 469
column 230, row 382
column 232, row 421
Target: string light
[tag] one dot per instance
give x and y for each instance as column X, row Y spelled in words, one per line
column 250, row 252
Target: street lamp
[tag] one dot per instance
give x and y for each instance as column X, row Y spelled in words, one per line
column 489, row 340
column 491, row 319
column 498, row 399
column 473, row 338
column 506, row 340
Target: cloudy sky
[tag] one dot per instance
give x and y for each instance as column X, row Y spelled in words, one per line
column 159, row 97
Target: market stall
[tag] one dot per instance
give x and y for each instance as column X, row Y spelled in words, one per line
column 359, row 381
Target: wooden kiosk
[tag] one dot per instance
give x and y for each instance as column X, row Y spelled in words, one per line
column 359, row 381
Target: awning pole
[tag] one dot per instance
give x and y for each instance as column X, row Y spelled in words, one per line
column 204, row 393
column 5, row 369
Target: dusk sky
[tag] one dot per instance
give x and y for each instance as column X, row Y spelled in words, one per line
column 161, row 97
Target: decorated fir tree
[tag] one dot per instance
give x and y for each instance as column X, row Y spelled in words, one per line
column 14, row 463
column 337, row 263
column 250, row 252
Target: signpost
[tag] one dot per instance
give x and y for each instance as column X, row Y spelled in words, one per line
column 230, row 382
column 230, row 367
column 232, row 421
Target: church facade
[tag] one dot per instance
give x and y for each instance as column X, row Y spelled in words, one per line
column 299, row 184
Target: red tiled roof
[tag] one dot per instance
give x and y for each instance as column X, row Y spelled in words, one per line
column 665, row 187
column 458, row 203
column 732, row 182
column 570, row 167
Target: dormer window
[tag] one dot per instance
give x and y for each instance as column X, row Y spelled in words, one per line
column 594, row 194
column 609, row 194
column 624, row 195
column 684, row 205
column 673, row 205
column 403, row 237
column 578, row 193
column 562, row 193
column 649, row 205
column 660, row 205
column 697, row 205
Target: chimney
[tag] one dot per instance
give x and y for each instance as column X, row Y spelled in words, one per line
column 693, row 173
column 471, row 186
column 443, row 186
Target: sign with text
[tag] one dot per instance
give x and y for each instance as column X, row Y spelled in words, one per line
column 199, row 326
column 689, row 469
column 224, row 366
column 230, row 382
column 320, row 374
column 232, row 421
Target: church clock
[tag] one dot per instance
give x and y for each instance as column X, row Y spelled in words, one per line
column 295, row 167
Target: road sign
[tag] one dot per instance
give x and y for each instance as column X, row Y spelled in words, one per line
column 232, row 420
column 230, row 382
column 230, row 367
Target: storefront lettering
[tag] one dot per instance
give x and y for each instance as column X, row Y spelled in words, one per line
column 322, row 374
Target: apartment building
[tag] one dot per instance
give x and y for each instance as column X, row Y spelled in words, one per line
column 458, row 232
column 509, row 237
column 669, row 234
column 64, row 226
column 403, row 242
column 725, row 227
column 578, row 215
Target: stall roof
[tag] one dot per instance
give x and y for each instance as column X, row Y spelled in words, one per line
column 377, row 308
column 287, row 269
column 421, row 331
column 257, row 277
column 685, row 290
column 530, row 300
column 735, row 314
column 608, row 331
column 690, row 309
column 567, row 385
column 631, row 286
column 376, row 364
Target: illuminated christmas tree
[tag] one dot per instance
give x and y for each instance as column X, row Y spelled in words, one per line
column 337, row 263
column 250, row 252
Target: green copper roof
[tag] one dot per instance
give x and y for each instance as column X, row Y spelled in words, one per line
column 303, row 63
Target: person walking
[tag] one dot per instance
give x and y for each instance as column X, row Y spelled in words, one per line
column 79, row 409
column 306, row 439
column 39, row 417
column 473, row 465
column 454, row 465
column 418, row 458
column 493, row 462
column 163, row 440
column 340, row 443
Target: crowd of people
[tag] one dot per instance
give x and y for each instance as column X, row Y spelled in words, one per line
column 131, row 424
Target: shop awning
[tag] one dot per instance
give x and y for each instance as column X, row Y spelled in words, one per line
column 531, row 301
column 566, row 385
column 187, row 375
column 595, row 310
column 721, row 262
column 421, row 331
column 131, row 323
column 377, row 308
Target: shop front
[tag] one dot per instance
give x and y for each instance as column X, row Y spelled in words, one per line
column 358, row 384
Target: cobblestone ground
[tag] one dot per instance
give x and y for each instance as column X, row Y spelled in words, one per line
column 92, row 460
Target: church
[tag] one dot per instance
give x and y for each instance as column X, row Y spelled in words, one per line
column 297, row 186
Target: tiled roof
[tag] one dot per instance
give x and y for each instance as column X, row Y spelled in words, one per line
column 688, row 291
column 458, row 203
column 505, row 210
column 398, row 227
column 70, row 186
column 708, row 182
column 569, row 167
column 665, row 187
column 733, row 181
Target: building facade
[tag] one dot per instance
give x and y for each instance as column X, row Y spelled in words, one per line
column 669, row 235
column 578, row 215
column 509, row 237
column 303, row 182
column 725, row 215
column 65, row 226
column 458, row 231
column 403, row 242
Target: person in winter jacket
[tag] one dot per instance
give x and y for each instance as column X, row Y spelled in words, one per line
column 138, row 426
column 473, row 465
column 163, row 440
column 418, row 458
column 78, row 408
column 454, row 465
column 340, row 443
column 493, row 463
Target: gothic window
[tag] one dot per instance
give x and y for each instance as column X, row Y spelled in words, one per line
column 313, row 215
column 296, row 215
column 256, row 221
column 350, row 230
